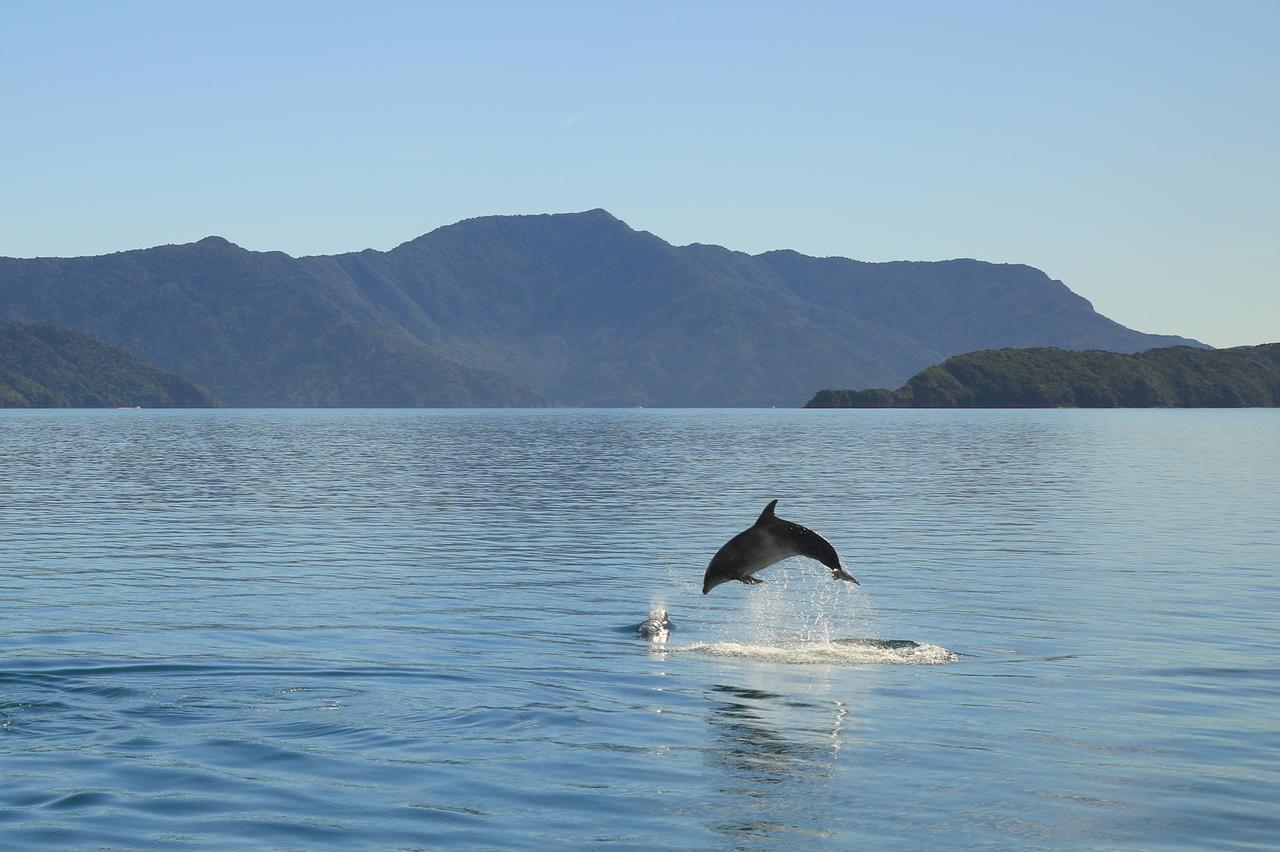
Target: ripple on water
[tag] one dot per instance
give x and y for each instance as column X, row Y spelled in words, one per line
column 306, row 629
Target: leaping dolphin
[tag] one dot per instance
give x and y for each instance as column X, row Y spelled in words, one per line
column 770, row 539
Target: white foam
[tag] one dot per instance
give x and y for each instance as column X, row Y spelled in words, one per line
column 839, row 652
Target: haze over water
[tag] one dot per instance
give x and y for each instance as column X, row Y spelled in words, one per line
column 417, row 628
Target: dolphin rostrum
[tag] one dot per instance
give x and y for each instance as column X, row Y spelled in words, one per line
column 770, row 539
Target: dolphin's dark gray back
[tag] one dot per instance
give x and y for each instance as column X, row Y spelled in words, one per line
column 802, row 541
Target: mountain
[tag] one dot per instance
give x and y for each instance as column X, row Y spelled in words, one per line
column 567, row 309
column 44, row 366
column 1179, row 376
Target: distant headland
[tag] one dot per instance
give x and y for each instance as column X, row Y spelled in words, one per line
column 1172, row 377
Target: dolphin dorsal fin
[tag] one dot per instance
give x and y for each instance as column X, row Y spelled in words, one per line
column 767, row 515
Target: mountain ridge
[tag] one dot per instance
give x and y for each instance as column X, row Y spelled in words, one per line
column 566, row 308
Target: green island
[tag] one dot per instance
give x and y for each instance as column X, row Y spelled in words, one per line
column 1172, row 377
column 46, row 366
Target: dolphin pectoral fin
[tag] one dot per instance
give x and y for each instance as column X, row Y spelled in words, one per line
column 752, row 581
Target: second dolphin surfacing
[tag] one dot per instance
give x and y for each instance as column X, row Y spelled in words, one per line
column 770, row 539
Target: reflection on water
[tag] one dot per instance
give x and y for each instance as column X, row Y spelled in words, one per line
column 407, row 629
column 772, row 761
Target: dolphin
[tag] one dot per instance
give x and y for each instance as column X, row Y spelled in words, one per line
column 656, row 626
column 770, row 539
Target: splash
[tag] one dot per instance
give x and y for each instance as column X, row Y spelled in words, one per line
column 798, row 616
column 835, row 652
column 798, row 603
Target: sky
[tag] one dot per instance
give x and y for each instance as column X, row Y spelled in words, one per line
column 1129, row 149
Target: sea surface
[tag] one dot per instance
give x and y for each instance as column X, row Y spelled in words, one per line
column 417, row 629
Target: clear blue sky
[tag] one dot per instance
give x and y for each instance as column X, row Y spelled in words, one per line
column 1131, row 149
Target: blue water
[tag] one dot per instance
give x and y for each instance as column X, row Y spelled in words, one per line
column 387, row 629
